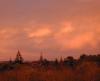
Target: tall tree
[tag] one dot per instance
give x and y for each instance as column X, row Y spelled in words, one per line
column 19, row 58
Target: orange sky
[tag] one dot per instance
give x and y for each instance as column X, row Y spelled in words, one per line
column 56, row 27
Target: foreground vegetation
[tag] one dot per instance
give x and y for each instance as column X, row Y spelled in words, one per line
column 86, row 68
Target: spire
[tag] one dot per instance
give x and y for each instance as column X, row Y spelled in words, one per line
column 10, row 60
column 41, row 56
column 61, row 59
column 19, row 58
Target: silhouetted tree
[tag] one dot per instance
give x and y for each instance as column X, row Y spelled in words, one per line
column 45, row 62
column 82, row 57
column 56, row 61
column 70, row 61
column 19, row 58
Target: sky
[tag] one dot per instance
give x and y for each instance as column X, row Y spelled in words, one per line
column 58, row 28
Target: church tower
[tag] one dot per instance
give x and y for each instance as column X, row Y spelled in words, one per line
column 41, row 57
column 18, row 58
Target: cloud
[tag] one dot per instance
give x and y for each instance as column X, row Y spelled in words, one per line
column 82, row 40
column 57, row 26
column 40, row 33
column 79, row 41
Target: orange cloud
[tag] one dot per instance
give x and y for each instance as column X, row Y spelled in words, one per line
column 7, row 33
column 82, row 40
column 58, row 24
column 38, row 33
column 42, row 32
column 79, row 41
column 64, row 30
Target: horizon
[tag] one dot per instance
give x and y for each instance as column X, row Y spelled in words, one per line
column 59, row 28
column 38, row 58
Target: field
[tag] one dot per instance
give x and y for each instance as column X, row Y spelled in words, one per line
column 53, row 71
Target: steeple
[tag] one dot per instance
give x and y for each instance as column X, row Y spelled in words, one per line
column 41, row 56
column 19, row 58
column 61, row 59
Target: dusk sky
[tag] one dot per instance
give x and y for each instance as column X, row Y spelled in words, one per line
column 56, row 27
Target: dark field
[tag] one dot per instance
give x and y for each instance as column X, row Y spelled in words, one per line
column 86, row 68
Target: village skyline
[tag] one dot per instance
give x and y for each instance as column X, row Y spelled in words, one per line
column 19, row 56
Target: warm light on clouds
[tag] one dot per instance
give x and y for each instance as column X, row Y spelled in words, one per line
column 42, row 32
column 78, row 41
column 59, row 27
column 82, row 40
column 65, row 28
column 7, row 33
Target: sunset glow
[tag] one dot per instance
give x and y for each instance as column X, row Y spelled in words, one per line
column 56, row 27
